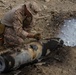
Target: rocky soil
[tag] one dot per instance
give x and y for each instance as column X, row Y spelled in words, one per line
column 48, row 24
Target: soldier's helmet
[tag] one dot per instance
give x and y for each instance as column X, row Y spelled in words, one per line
column 33, row 7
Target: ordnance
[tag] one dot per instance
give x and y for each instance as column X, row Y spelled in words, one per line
column 15, row 60
column 10, row 59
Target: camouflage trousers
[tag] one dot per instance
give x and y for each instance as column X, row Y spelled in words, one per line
column 10, row 37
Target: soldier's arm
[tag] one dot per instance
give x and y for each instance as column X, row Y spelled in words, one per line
column 18, row 26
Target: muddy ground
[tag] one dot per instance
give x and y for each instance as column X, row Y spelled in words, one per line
column 51, row 19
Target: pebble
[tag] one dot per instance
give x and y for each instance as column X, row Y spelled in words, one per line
column 46, row 0
column 2, row 6
column 45, row 7
column 48, row 24
column 9, row 7
column 2, row 1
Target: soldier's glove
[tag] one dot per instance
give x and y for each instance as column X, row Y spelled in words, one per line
column 37, row 36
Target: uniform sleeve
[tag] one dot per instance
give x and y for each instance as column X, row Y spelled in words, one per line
column 17, row 24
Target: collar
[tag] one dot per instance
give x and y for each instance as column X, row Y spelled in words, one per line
column 26, row 12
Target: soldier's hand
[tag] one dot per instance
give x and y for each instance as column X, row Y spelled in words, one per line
column 37, row 36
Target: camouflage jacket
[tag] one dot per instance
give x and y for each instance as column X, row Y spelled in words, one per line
column 14, row 18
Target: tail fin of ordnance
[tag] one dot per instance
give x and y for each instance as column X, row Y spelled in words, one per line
column 52, row 44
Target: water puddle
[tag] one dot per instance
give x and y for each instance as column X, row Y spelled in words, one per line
column 68, row 32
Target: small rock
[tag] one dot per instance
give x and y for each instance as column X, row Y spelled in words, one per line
column 46, row 0
column 48, row 24
column 40, row 64
column 34, row 31
column 45, row 7
column 14, row 1
column 9, row 7
column 2, row 1
column 2, row 6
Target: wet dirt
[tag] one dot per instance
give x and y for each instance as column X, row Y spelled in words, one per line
column 54, row 12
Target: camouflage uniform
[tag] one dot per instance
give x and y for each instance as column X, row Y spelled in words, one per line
column 13, row 21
